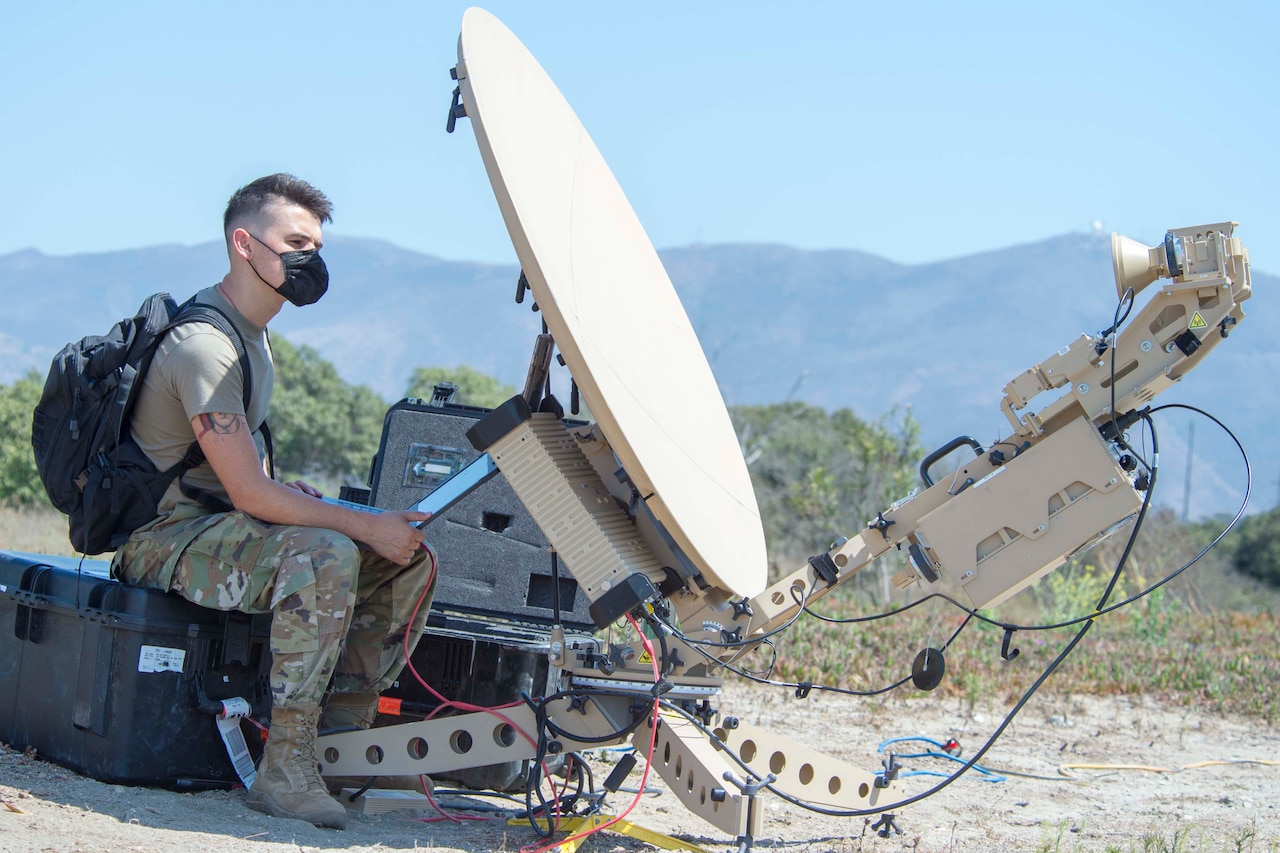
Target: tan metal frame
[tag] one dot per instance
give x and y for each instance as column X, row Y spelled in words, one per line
column 994, row 525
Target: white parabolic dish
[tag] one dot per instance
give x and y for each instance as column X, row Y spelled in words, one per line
column 609, row 304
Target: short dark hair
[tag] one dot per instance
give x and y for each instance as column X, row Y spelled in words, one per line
column 253, row 198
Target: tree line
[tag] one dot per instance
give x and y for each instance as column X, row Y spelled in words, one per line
column 323, row 428
column 818, row 475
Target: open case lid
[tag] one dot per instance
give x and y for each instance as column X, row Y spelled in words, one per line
column 608, row 302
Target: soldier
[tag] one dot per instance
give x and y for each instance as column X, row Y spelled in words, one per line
column 231, row 538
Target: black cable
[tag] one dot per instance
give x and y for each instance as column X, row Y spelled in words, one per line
column 539, row 707
column 590, row 776
column 664, row 654
column 1126, row 302
column 533, row 780
column 767, row 672
column 852, row 620
column 555, row 586
column 1085, row 622
column 368, row 783
column 1026, row 697
column 1119, row 604
column 737, row 644
column 569, row 803
column 1129, row 295
column 844, row 691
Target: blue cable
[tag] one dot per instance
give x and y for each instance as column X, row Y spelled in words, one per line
column 987, row 775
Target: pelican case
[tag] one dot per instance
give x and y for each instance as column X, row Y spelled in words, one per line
column 105, row 677
column 480, row 663
column 495, row 562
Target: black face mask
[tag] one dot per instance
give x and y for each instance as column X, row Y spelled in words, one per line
column 306, row 278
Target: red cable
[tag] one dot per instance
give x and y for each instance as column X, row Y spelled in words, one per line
column 648, row 761
column 466, row 706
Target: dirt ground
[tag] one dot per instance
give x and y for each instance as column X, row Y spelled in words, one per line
column 1223, row 807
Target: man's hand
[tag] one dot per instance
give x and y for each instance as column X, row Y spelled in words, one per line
column 231, row 451
column 394, row 536
column 305, row 488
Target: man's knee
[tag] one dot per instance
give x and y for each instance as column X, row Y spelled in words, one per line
column 321, row 545
column 335, row 562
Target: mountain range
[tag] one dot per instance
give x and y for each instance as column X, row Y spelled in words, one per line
column 834, row 328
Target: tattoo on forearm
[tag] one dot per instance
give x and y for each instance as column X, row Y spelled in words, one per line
column 219, row 423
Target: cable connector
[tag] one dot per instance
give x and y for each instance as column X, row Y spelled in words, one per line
column 620, row 772
column 825, row 567
column 1113, row 428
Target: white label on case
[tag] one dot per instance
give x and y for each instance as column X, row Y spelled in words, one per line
column 161, row 659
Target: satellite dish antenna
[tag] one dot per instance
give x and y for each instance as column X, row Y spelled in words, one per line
column 608, row 302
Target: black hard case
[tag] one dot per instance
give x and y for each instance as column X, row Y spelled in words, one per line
column 77, row 652
column 494, row 560
column 479, row 664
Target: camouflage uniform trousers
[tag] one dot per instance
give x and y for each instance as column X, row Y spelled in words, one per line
column 339, row 613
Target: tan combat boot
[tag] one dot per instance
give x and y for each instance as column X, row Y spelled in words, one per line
column 288, row 783
column 349, row 710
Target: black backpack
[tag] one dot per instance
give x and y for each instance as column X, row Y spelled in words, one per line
column 91, row 467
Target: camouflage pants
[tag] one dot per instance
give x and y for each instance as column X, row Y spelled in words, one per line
column 339, row 613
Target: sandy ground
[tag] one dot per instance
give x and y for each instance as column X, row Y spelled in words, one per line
column 1227, row 807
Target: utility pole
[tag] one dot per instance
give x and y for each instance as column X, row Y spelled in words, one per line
column 1186, row 489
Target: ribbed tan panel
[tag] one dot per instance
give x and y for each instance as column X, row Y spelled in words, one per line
column 557, row 484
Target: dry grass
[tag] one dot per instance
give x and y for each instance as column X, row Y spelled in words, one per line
column 38, row 530
column 1163, row 645
column 1216, row 661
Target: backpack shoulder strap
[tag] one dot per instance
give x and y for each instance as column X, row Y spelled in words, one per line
column 199, row 312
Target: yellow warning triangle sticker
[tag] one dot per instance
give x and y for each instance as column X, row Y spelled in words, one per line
column 645, row 657
column 1197, row 322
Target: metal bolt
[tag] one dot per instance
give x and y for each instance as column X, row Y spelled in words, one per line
column 1146, row 346
column 969, row 573
column 1170, row 347
column 1040, row 528
column 1082, row 388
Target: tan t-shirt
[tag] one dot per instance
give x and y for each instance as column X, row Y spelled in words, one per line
column 196, row 372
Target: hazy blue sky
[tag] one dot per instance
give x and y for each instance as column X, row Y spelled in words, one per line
column 914, row 131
